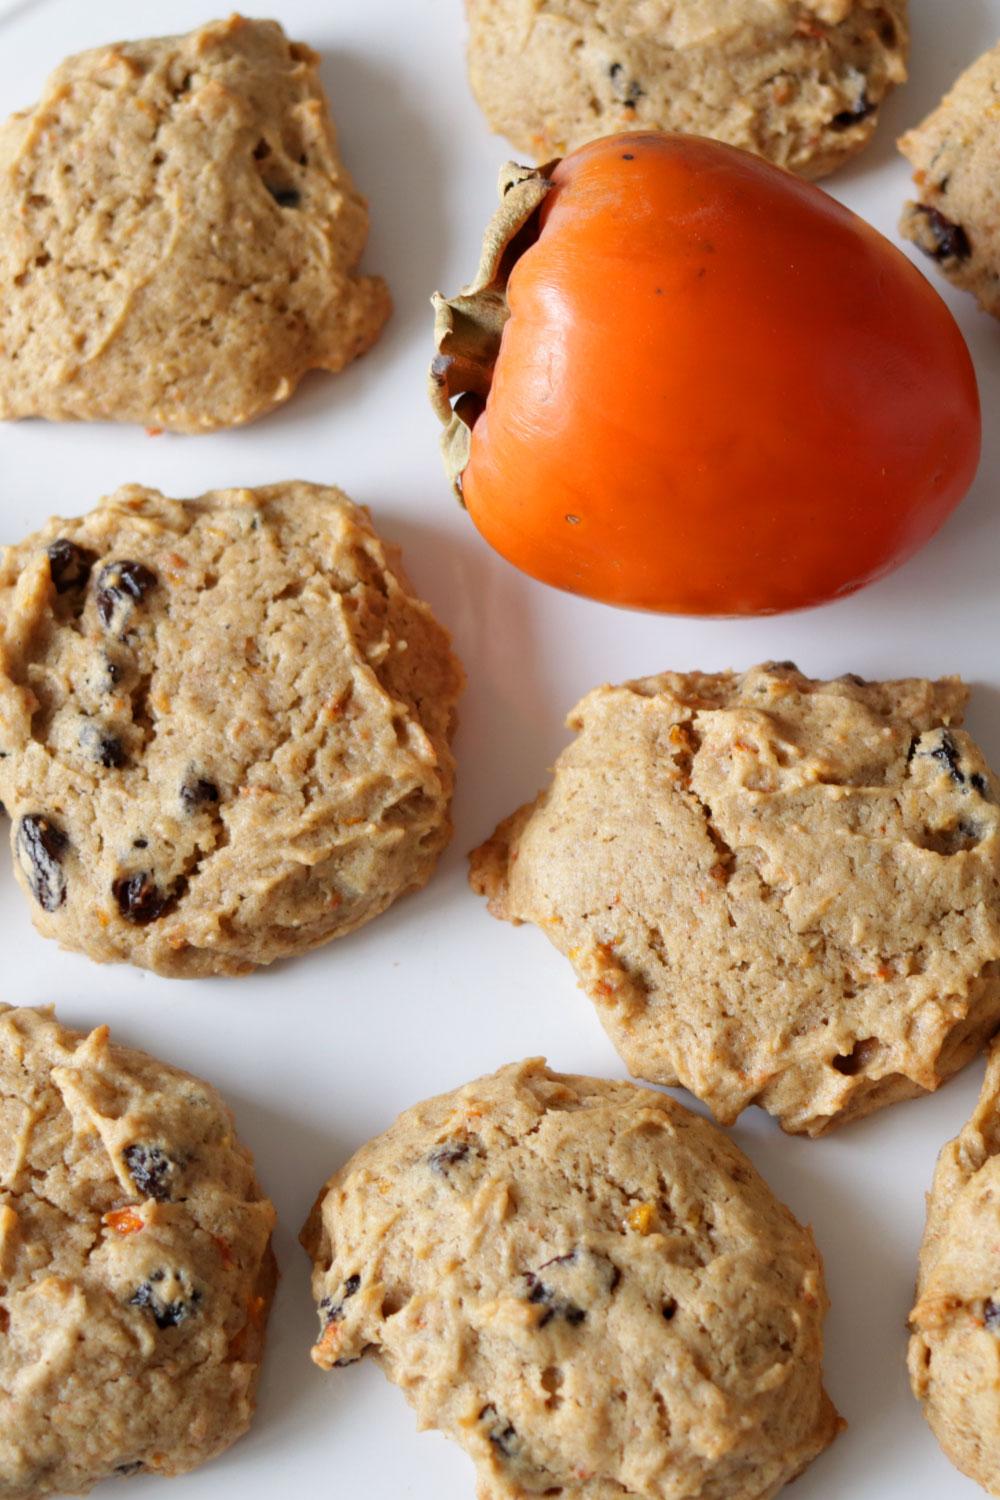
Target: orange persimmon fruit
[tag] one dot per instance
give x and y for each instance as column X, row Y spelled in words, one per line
column 709, row 389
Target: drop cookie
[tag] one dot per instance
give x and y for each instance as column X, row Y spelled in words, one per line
column 955, row 154
column 224, row 726
column 136, row 1272
column 798, row 83
column 954, row 1355
column 776, row 891
column 585, row 1285
column 178, row 234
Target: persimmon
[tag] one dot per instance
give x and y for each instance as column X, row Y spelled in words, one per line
column 684, row 380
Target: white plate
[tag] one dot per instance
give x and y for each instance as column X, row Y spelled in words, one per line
column 321, row 1053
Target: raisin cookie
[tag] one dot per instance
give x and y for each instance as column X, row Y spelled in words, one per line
column 588, row 1287
column 955, row 155
column 797, row 81
column 775, row 891
column 136, row 1272
column 178, row 234
column 955, row 1348
column 224, row 726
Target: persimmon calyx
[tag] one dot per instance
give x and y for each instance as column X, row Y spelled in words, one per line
column 468, row 326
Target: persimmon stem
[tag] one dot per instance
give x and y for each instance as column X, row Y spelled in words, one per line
column 468, row 326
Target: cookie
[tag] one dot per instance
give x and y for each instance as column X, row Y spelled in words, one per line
column 224, row 726
column 797, row 81
column 178, row 234
column 136, row 1272
column 954, row 1354
column 775, row 891
column 955, row 154
column 589, row 1288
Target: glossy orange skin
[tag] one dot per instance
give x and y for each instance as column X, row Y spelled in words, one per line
column 719, row 391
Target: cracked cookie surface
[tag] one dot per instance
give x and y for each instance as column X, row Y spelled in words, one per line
column 954, row 1355
column 797, row 81
column 224, row 726
column 776, row 891
column 136, row 1272
column 588, row 1287
column 178, row 234
column 955, row 154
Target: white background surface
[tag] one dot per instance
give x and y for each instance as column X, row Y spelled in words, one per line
column 319, row 1054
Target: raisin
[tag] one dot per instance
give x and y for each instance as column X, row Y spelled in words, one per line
column 333, row 1312
column 978, row 783
column 40, row 847
column 628, row 93
column 502, row 1434
column 864, row 1051
column 853, row 116
column 555, row 1306
column 443, row 1157
column 991, row 1315
column 151, row 1170
column 560, row 1260
column 106, row 748
column 125, row 1470
column 139, row 898
column 945, row 752
column 284, row 197
column 122, row 583
column 198, row 792
column 950, row 240
column 165, row 1314
column 69, row 565
column 669, row 1309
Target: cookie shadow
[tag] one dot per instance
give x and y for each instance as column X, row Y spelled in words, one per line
column 294, row 1157
column 399, row 163
column 983, row 720
column 970, row 31
column 510, row 716
column 870, row 1273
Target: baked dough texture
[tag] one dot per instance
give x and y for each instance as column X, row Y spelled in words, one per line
column 955, row 154
column 224, row 726
column 136, row 1272
column 178, row 234
column 776, row 891
column 797, row 81
column 589, row 1288
column 955, row 1348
